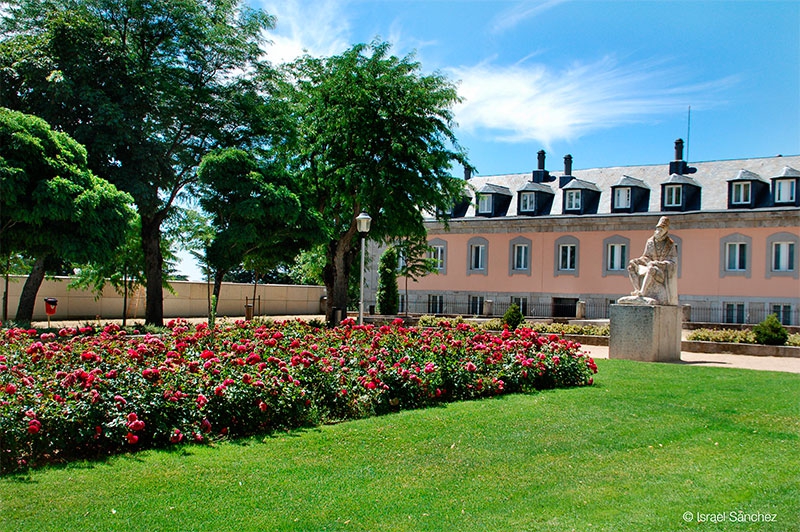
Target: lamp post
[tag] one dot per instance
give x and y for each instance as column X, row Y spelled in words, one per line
column 362, row 224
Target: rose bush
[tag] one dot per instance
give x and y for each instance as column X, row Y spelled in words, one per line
column 86, row 393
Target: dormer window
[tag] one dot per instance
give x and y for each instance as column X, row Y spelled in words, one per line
column 672, row 195
column 573, row 198
column 785, row 190
column 622, row 198
column 741, row 193
column 527, row 202
column 484, row 204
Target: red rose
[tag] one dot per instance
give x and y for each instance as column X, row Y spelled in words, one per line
column 132, row 438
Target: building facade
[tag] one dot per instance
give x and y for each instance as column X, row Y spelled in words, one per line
column 559, row 245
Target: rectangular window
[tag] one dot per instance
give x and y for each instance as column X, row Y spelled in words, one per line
column 784, row 313
column 734, row 312
column 402, row 306
column 783, row 256
column 522, row 303
column 437, row 254
column 573, row 200
column 567, row 252
column 484, row 203
column 673, row 195
column 622, row 198
column 520, row 257
column 741, row 193
column 476, row 305
column 527, row 202
column 785, row 190
column 736, row 259
column 477, row 257
column 617, row 257
column 435, row 304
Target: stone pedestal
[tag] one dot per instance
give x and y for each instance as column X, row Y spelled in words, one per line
column 649, row 333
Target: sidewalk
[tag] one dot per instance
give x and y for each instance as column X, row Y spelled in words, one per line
column 785, row 364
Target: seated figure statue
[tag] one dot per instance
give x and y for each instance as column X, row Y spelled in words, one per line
column 654, row 274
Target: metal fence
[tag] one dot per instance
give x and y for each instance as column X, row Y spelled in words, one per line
column 733, row 313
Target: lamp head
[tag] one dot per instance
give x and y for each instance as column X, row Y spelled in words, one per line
column 363, row 221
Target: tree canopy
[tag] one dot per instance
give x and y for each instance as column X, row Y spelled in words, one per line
column 257, row 219
column 52, row 207
column 373, row 134
column 148, row 87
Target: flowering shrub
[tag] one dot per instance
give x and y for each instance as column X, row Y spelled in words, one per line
column 86, row 393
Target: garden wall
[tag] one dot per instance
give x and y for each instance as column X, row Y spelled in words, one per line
column 189, row 300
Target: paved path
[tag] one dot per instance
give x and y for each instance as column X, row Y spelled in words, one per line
column 790, row 365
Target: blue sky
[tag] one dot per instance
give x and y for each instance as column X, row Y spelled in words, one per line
column 609, row 82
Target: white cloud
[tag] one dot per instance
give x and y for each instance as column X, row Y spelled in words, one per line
column 521, row 12
column 316, row 28
column 521, row 103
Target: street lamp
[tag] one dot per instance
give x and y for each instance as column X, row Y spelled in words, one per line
column 362, row 224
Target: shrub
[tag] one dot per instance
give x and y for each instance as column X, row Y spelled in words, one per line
column 513, row 317
column 770, row 331
column 735, row 336
column 387, row 295
column 80, row 393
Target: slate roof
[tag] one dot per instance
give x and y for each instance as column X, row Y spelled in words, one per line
column 711, row 176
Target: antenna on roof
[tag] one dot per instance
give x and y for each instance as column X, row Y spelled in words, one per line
column 688, row 132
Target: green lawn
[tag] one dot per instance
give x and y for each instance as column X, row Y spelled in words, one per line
column 645, row 445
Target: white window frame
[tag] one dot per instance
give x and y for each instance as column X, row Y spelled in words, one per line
column 436, row 252
column 476, row 305
column 622, row 198
column 522, row 303
column 573, row 199
column 783, row 311
column 736, row 256
column 484, row 203
column 733, row 313
column 477, row 257
column 673, row 195
column 567, row 257
column 521, row 254
column 527, row 201
column 783, row 256
column 617, row 257
column 785, row 190
column 740, row 193
column 435, row 304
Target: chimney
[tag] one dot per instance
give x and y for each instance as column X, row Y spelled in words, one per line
column 541, row 159
column 467, row 173
column 679, row 166
column 567, row 177
column 679, row 150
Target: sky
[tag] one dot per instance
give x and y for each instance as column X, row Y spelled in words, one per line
column 613, row 83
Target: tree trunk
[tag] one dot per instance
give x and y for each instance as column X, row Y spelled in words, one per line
column 27, row 298
column 340, row 255
column 153, row 268
column 218, row 275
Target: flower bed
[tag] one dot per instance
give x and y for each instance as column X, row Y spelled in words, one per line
column 83, row 393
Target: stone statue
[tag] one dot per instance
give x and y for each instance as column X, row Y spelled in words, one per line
column 654, row 274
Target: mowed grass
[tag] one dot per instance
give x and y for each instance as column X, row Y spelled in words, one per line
column 637, row 451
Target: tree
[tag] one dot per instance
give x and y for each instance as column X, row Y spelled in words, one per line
column 415, row 262
column 387, row 294
column 148, row 87
column 52, row 208
column 257, row 220
column 373, row 134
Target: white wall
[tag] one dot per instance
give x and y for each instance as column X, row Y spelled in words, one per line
column 189, row 300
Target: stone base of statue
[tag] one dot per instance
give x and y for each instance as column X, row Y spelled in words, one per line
column 645, row 332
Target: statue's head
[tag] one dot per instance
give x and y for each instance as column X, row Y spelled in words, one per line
column 662, row 228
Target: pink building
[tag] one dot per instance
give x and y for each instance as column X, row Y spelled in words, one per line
column 558, row 245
